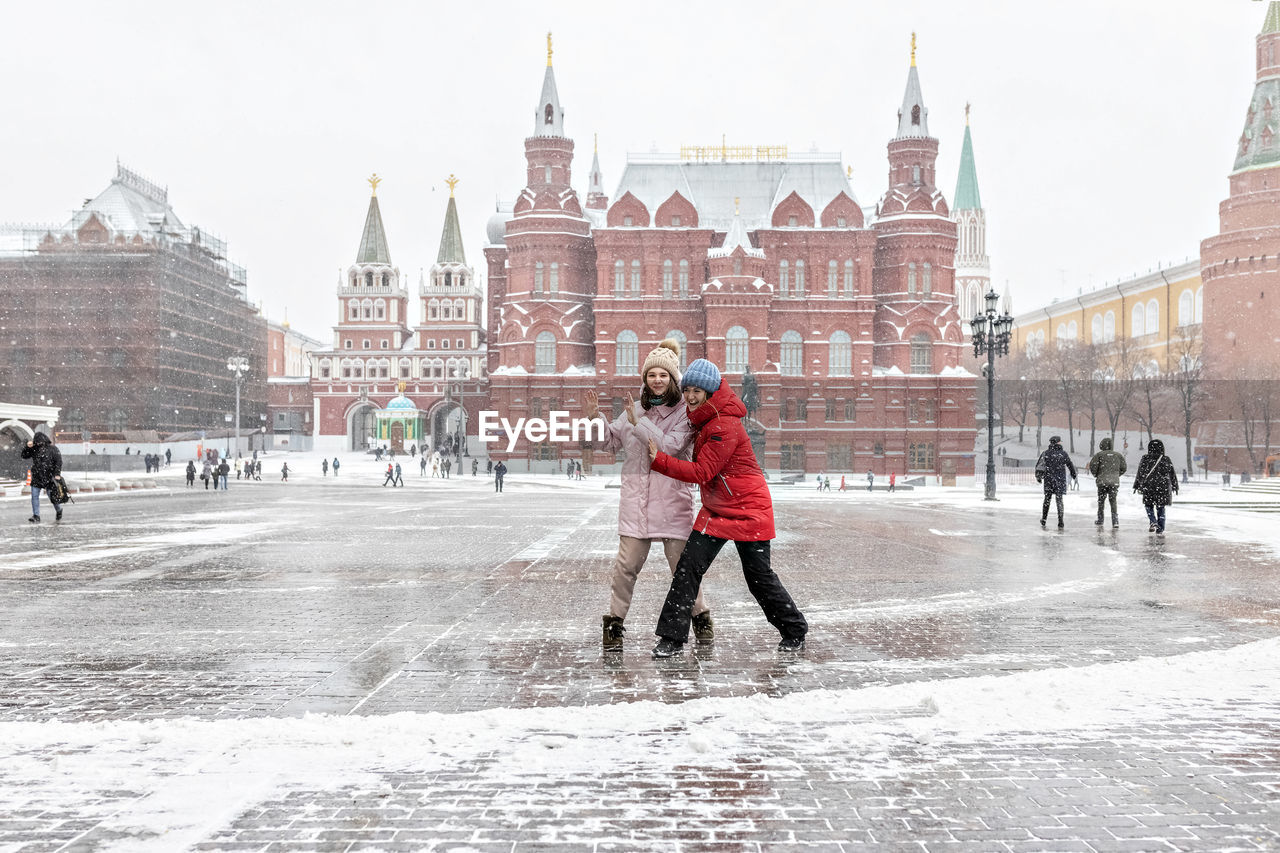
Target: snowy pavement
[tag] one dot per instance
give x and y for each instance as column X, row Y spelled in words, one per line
column 334, row 665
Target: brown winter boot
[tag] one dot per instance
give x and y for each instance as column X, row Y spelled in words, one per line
column 613, row 631
column 704, row 628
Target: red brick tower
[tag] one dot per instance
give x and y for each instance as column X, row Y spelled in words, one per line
column 373, row 304
column 914, row 277
column 545, row 331
column 1240, row 267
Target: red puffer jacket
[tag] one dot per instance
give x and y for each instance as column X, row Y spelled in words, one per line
column 736, row 503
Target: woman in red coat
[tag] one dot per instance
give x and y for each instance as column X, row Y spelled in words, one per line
column 735, row 505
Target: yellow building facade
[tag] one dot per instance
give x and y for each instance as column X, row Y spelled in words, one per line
column 1154, row 314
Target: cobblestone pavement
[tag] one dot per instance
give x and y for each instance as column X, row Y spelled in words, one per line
column 146, row 625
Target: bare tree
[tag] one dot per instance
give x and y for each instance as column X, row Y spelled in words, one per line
column 1062, row 365
column 1187, row 380
column 1258, row 405
column 1015, row 392
column 1090, row 366
column 1152, row 401
column 1117, row 381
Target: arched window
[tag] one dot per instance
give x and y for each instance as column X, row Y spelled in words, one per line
column 433, row 309
column 840, row 356
column 1096, row 328
column 1073, row 330
column 404, row 368
column 792, row 361
column 553, row 285
column 736, row 350
column 684, row 346
column 922, row 353
column 1139, row 321
column 833, row 278
column 799, row 278
column 628, row 358
column 386, row 279
column 366, row 309
column 326, row 368
column 448, row 279
column 380, row 309
column 1199, row 315
column 928, row 279
column 353, row 310
column 684, row 278
column 384, row 368
column 635, row 278
column 537, row 277
column 915, row 114
column 459, row 310
column 619, row 278
column 848, row 277
column 548, row 117
column 446, row 310
column 1186, row 308
column 368, row 279
column 1109, row 326
column 1061, row 334
column 911, row 279
column 666, row 279
column 357, row 369
column 544, row 353
column 1153, row 317
column 784, row 272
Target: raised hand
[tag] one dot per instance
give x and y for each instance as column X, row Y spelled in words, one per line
column 653, row 450
column 591, row 404
column 631, row 409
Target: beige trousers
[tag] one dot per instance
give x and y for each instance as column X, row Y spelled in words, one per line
column 626, row 568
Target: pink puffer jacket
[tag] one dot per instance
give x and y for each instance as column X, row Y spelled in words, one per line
column 652, row 506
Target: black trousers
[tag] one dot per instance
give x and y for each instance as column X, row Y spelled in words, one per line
column 1105, row 493
column 1044, row 511
column 768, row 590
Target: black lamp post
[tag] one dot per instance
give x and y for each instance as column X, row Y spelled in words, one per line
column 991, row 333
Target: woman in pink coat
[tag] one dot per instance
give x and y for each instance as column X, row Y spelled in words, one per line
column 652, row 507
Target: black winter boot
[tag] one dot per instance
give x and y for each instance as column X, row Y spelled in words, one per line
column 667, row 648
column 704, row 628
column 613, row 631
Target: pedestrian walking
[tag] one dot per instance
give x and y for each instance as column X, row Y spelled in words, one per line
column 1107, row 466
column 499, row 471
column 335, row 466
column 422, row 465
column 223, row 471
column 826, row 484
column 842, row 482
column 324, row 467
column 819, row 482
column 168, row 457
column 652, row 508
column 46, row 471
column 871, row 481
column 893, row 479
column 475, row 466
column 736, row 506
column 257, row 470
column 284, row 473
column 390, row 476
column 488, row 467
column 191, row 473
column 1051, row 470
column 239, row 466
column 1158, row 482
column 206, row 473
column 447, row 465
column 398, row 480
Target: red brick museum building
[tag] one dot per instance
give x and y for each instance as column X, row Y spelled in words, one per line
column 844, row 317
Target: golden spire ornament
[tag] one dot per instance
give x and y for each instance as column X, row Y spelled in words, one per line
column 548, row 49
column 452, row 182
column 913, row 49
column 966, row 113
column 374, row 180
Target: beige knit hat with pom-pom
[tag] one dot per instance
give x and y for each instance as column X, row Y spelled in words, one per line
column 665, row 355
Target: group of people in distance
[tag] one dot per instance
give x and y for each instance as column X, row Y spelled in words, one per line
column 687, row 429
column 1156, row 479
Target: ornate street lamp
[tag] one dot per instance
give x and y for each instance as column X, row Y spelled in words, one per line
column 239, row 366
column 991, row 333
column 460, row 373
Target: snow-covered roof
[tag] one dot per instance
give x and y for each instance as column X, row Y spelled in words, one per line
column 712, row 188
column 130, row 203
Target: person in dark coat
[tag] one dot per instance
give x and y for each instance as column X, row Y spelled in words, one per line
column 1051, row 469
column 191, row 473
column 1106, row 466
column 736, row 505
column 1158, row 481
column 336, row 466
column 46, row 466
column 499, row 471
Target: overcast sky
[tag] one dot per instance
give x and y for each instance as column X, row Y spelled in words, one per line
column 1103, row 130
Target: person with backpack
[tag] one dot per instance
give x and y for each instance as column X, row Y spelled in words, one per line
column 46, row 469
column 736, row 506
column 391, row 476
column 1158, row 482
column 1051, row 470
column 284, row 473
column 1106, row 466
column 335, row 466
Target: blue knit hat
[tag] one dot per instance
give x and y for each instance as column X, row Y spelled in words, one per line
column 701, row 374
